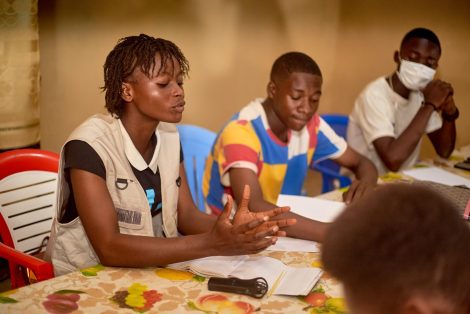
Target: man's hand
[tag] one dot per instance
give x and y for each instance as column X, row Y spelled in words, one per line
column 449, row 107
column 357, row 190
column 365, row 172
column 437, row 93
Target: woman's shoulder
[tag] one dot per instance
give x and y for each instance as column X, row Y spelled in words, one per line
column 95, row 126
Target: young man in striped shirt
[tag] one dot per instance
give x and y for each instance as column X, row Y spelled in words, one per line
column 271, row 142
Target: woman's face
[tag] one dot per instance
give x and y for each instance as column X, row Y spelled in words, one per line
column 160, row 96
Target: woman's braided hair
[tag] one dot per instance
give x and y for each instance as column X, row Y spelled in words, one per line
column 132, row 52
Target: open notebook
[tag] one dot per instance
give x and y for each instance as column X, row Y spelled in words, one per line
column 282, row 279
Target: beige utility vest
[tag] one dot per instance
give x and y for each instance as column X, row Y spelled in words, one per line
column 69, row 248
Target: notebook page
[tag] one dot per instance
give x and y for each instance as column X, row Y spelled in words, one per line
column 310, row 207
column 213, row 266
column 298, row 281
column 260, row 266
column 437, row 175
column 281, row 278
column 294, row 245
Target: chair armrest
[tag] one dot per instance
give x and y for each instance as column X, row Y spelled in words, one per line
column 42, row 270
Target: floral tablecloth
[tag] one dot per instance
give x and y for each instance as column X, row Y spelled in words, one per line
column 154, row 290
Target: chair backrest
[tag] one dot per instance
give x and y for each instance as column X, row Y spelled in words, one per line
column 28, row 183
column 331, row 170
column 197, row 143
column 339, row 123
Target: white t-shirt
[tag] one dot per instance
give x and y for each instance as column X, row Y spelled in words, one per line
column 380, row 112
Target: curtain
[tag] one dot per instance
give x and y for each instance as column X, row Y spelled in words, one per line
column 19, row 74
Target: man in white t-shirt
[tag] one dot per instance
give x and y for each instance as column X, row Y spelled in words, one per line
column 392, row 113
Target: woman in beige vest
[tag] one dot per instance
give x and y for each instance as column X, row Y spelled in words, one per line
column 123, row 199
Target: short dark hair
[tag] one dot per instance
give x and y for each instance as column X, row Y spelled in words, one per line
column 291, row 62
column 128, row 54
column 400, row 240
column 420, row 32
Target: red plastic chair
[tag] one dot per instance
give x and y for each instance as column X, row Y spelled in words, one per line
column 28, row 183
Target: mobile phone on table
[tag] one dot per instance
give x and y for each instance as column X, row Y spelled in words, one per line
column 465, row 165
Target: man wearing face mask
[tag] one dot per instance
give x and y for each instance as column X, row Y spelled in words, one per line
column 392, row 113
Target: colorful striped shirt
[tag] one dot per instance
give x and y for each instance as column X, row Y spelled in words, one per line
column 247, row 141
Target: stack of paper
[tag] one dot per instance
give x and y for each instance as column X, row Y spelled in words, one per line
column 282, row 279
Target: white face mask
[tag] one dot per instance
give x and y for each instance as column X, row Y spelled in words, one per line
column 413, row 75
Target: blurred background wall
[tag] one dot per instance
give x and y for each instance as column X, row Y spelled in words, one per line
column 231, row 45
column 19, row 74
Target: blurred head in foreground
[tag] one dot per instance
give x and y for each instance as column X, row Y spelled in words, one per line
column 401, row 249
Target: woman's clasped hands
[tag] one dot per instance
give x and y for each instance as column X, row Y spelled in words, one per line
column 248, row 232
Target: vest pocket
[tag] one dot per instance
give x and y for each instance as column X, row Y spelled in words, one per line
column 125, row 194
column 129, row 218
